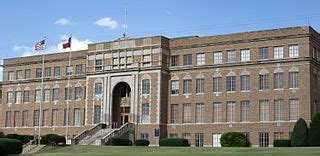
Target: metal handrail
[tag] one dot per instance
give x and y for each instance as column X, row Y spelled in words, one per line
column 87, row 132
column 118, row 132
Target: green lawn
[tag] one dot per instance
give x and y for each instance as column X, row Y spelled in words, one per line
column 177, row 151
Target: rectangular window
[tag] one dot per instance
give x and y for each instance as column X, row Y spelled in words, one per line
column 244, row 111
column 97, row 88
column 16, row 119
column 186, row 136
column 115, row 61
column 37, row 94
column 278, row 80
column 245, row 82
column 38, row 72
column 18, row 97
column 278, row 135
column 217, row 84
column 98, row 65
column 263, row 139
column 263, row 82
column 47, row 72
column 293, row 109
column 174, row 113
column 175, row 60
column 278, row 52
column 27, row 74
column 146, row 58
column 293, row 51
column 55, row 94
column 187, row 60
column 25, row 118
column 19, row 74
column 54, row 118
column 216, row 140
column 8, row 119
column 97, row 114
column 36, row 115
column 231, row 107
column 174, row 87
column 278, row 110
column 45, row 117
column 293, row 79
column 245, row 55
column 69, row 70
column 76, row 117
column 66, row 119
column 9, row 97
column 199, row 113
column 57, row 71
column 67, row 93
column 231, row 56
column 47, row 95
column 77, row 93
column 173, row 135
column 264, row 110
column 231, row 83
column 144, row 136
column 145, row 114
column 10, row 75
column 200, row 85
column 187, row 86
column 199, row 139
column 263, row 53
column 200, row 59
column 26, row 96
column 187, row 113
column 79, row 69
column 217, row 112
column 217, row 57
column 146, row 86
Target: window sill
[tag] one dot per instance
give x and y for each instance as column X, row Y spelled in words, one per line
column 279, row 89
column 199, row 94
column 231, row 91
column 174, row 94
column 245, row 91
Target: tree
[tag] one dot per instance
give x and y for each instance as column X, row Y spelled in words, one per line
column 314, row 131
column 299, row 136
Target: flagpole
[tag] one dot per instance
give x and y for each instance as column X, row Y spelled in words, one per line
column 69, row 92
column 41, row 98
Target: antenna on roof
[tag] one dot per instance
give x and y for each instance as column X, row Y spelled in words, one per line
column 125, row 26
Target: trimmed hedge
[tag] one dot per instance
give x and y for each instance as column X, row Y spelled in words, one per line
column 281, row 143
column 299, row 136
column 10, row 146
column 142, row 142
column 233, row 139
column 23, row 138
column 120, row 142
column 174, row 142
column 314, row 131
column 53, row 139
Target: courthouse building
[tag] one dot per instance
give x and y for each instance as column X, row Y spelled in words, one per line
column 258, row 83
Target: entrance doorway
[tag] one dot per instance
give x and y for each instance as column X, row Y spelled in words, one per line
column 121, row 104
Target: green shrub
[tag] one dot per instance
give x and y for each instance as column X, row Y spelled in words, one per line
column 10, row 146
column 233, row 139
column 22, row 138
column 314, row 131
column 281, row 143
column 142, row 142
column 53, row 139
column 174, row 142
column 120, row 142
column 299, row 136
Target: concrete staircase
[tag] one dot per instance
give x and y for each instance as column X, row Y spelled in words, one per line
column 31, row 148
column 91, row 139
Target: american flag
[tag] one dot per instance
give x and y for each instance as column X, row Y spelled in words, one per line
column 40, row 45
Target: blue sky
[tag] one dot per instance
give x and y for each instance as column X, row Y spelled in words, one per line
column 23, row 23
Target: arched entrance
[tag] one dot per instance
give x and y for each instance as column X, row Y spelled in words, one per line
column 121, row 104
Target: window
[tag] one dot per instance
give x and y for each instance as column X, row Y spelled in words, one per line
column 173, row 135
column 245, row 55
column 174, row 87
column 217, row 57
column 18, row 97
column 37, row 94
column 293, row 109
column 200, row 59
column 24, row 118
column 36, row 118
column 78, row 69
column 231, row 107
column 199, row 113
column 66, row 119
column 8, row 119
column 263, row 53
column 97, row 88
column 244, row 111
column 97, row 114
column 46, row 95
column 145, row 115
column 175, row 60
column 45, row 117
column 217, row 112
column 187, row 86
column 27, row 74
column 157, row 132
column 144, row 136
column 146, row 86
column 122, row 60
column 200, row 85
column 293, row 79
column 174, row 113
column 77, row 93
column 263, row 81
column 19, row 74
column 55, row 94
column 263, row 139
column 187, row 60
column 54, row 117
column 278, row 135
column 278, row 80
column 69, row 71
column 278, row 110
column 26, row 96
column 216, row 140
column 9, row 97
column 98, row 65
column 115, row 61
column 186, row 136
column 10, row 75
column 278, row 52
column 231, row 56
column 187, row 113
column 67, row 93
column 47, row 72
column 314, row 52
column 199, row 139
column 146, row 58
column 57, row 71
column 293, row 51
column 16, row 119
column 38, row 72
column 217, row 84
column 264, row 110
column 245, row 82
column 231, row 83
column 76, row 121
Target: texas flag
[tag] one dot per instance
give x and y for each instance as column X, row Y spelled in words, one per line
column 67, row 44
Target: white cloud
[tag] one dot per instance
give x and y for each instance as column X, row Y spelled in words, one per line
column 63, row 22
column 107, row 22
column 27, row 51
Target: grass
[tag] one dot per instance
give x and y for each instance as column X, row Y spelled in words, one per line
column 176, row 151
